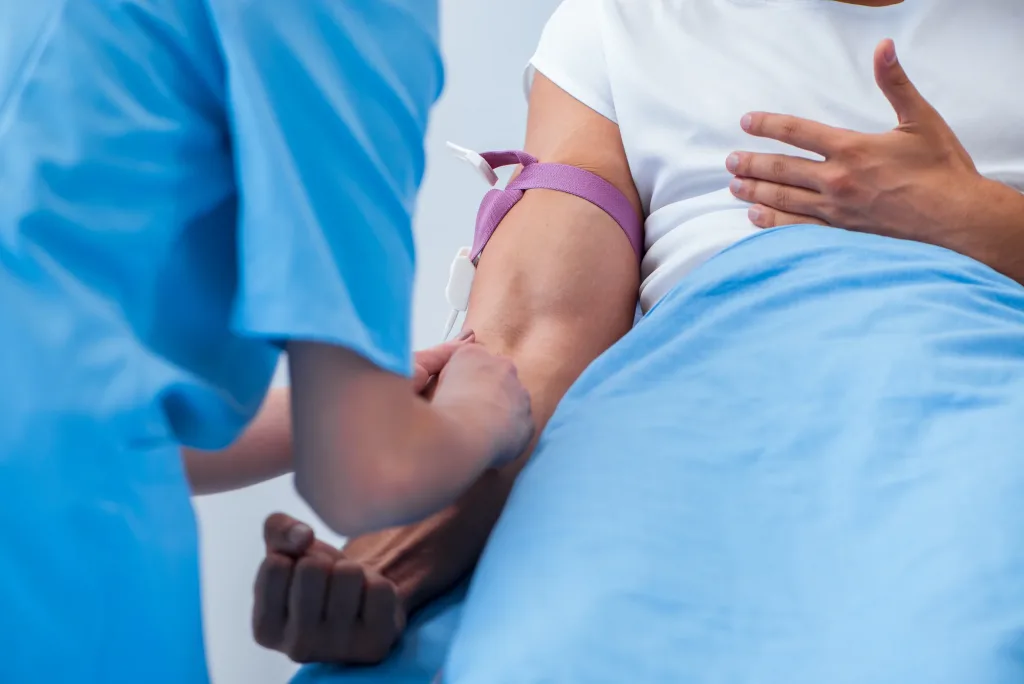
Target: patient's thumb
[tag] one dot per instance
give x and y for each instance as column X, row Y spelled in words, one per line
column 897, row 87
column 284, row 534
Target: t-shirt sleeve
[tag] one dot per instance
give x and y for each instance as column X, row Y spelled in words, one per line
column 571, row 54
column 327, row 104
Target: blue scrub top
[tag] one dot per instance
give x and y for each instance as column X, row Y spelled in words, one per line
column 184, row 185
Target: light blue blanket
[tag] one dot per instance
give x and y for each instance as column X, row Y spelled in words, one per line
column 804, row 466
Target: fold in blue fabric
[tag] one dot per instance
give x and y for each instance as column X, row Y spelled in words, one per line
column 803, row 466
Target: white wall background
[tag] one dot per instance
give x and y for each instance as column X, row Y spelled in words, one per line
column 486, row 45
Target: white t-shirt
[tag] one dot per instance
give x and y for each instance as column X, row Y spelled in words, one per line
column 677, row 76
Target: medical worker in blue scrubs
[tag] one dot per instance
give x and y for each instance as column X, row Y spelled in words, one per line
column 187, row 187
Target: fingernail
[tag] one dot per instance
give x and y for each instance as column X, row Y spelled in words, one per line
column 464, row 335
column 733, row 162
column 746, row 122
column 736, row 185
column 753, row 214
column 299, row 534
column 889, row 53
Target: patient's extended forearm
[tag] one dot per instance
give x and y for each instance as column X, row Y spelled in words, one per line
column 427, row 558
column 552, row 314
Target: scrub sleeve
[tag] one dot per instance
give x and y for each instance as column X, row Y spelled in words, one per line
column 328, row 105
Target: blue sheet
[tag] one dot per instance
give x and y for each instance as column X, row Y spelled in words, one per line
column 805, row 465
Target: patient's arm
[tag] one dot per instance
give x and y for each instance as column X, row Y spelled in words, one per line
column 556, row 286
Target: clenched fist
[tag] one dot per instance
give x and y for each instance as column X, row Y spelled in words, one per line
column 314, row 605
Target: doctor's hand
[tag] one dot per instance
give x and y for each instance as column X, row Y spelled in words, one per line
column 482, row 394
column 315, row 605
column 429, row 363
column 914, row 182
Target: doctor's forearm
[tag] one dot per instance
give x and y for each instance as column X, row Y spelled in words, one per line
column 262, row 452
column 399, row 466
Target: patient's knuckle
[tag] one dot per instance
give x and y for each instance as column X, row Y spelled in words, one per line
column 300, row 649
column 263, row 575
column 848, row 149
column 347, row 574
column 370, row 648
column 772, row 219
column 781, row 198
column 745, row 164
column 839, row 183
column 789, row 130
column 307, row 571
column 264, row 632
column 381, row 600
column 838, row 215
column 272, row 577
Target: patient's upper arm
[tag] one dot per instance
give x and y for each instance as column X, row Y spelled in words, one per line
column 559, row 274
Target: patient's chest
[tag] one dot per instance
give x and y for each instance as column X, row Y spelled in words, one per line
column 683, row 73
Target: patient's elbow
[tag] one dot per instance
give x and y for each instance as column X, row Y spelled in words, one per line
column 370, row 500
